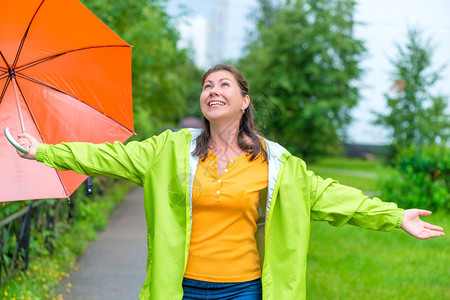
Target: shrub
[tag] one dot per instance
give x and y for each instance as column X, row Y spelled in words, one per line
column 420, row 178
column 68, row 240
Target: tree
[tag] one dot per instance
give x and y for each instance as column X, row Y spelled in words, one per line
column 162, row 73
column 302, row 64
column 415, row 117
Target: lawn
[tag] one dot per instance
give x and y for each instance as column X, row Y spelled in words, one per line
column 358, row 173
column 353, row 263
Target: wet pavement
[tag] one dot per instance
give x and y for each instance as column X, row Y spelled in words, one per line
column 113, row 266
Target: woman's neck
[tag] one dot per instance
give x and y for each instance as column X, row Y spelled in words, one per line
column 224, row 139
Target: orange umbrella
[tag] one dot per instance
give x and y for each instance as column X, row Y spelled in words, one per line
column 64, row 76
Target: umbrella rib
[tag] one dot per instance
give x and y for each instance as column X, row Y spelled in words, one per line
column 22, row 42
column 5, row 87
column 28, row 108
column 65, row 93
column 60, row 180
column 4, row 75
column 34, row 80
column 42, row 60
column 4, row 59
column 34, row 119
column 39, row 131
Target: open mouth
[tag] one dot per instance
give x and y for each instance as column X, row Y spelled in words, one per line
column 215, row 102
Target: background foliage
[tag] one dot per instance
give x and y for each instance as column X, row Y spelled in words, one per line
column 415, row 115
column 302, row 63
column 165, row 80
column 420, row 131
column 419, row 179
column 69, row 240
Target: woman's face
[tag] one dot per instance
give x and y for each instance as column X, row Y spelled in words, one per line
column 221, row 98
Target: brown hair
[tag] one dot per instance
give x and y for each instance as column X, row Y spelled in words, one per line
column 246, row 125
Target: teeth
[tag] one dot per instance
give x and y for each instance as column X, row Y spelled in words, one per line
column 215, row 103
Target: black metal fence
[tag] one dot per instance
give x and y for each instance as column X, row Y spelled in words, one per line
column 39, row 218
column 33, row 229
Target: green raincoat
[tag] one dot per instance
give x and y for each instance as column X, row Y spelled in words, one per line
column 164, row 166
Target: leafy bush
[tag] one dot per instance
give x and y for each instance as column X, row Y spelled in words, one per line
column 68, row 240
column 419, row 179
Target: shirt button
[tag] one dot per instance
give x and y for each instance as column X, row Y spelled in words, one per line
column 219, row 181
column 226, row 170
column 232, row 160
column 218, row 192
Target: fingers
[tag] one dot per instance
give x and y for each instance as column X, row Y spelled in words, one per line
column 24, row 135
column 24, row 142
column 430, row 231
column 414, row 226
column 426, row 234
column 432, row 227
column 27, row 141
column 422, row 212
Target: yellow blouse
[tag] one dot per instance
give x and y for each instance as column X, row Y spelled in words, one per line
column 224, row 215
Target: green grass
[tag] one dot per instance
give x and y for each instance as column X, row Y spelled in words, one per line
column 358, row 173
column 337, row 162
column 354, row 263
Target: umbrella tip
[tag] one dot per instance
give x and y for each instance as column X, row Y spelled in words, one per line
column 12, row 73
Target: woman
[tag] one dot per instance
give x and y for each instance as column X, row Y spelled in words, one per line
column 202, row 194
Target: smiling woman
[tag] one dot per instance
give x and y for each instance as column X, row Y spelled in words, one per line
column 207, row 191
column 230, row 130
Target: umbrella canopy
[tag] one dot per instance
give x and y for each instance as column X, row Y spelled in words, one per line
column 67, row 76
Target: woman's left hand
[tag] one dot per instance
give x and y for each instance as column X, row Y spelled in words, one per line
column 413, row 225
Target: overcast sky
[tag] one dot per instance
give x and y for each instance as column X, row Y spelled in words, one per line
column 385, row 24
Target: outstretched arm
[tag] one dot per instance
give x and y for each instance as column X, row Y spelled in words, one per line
column 413, row 225
column 131, row 161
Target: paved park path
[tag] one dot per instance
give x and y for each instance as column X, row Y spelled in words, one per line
column 113, row 267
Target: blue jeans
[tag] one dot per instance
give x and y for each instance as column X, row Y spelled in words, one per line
column 205, row 290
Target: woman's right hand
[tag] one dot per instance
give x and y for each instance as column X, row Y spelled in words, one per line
column 28, row 141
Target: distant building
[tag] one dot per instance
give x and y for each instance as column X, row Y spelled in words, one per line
column 195, row 32
column 217, row 38
column 365, row 151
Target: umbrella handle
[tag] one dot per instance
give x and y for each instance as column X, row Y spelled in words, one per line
column 14, row 142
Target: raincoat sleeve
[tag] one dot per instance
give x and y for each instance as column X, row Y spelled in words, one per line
column 339, row 205
column 130, row 161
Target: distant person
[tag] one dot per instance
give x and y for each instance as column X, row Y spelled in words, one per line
column 190, row 122
column 202, row 199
